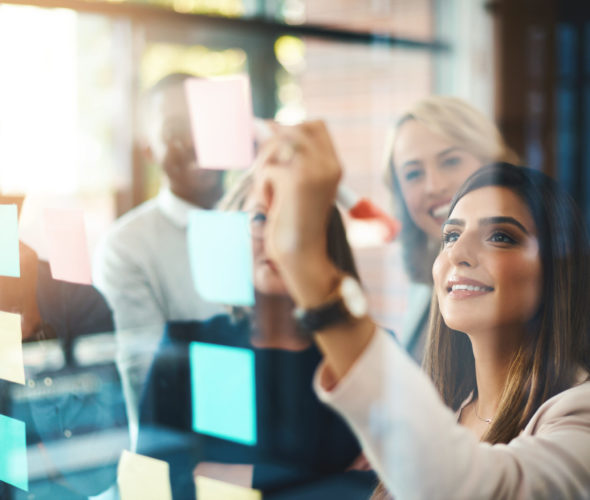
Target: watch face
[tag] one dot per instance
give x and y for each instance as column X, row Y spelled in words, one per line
column 353, row 297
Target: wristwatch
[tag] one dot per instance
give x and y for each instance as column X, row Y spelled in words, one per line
column 345, row 305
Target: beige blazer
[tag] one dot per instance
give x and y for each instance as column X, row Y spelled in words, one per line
column 420, row 452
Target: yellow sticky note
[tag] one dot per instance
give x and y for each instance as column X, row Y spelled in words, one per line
column 143, row 478
column 11, row 348
column 212, row 489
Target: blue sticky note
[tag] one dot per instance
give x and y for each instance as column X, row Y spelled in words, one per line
column 223, row 392
column 220, row 252
column 9, row 256
column 13, row 453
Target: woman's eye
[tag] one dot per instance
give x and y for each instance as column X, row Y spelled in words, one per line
column 258, row 218
column 451, row 161
column 410, row 175
column 450, row 237
column 501, row 237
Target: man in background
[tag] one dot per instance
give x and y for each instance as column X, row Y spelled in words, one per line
column 142, row 266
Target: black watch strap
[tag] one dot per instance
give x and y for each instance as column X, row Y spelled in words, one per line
column 313, row 320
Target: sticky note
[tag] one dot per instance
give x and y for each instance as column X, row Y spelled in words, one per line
column 223, row 392
column 212, row 489
column 9, row 256
column 143, row 478
column 220, row 253
column 13, row 453
column 11, row 348
column 222, row 121
column 69, row 258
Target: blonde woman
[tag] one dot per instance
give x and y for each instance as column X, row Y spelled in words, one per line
column 432, row 149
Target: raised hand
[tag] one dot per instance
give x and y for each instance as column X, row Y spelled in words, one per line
column 299, row 174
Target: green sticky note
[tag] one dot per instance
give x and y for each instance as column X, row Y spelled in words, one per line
column 13, row 453
column 223, row 392
column 220, row 253
column 9, row 256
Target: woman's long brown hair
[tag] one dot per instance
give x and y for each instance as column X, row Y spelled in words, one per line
column 557, row 340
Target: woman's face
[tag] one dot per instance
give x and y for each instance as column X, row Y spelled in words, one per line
column 430, row 170
column 488, row 275
column 267, row 279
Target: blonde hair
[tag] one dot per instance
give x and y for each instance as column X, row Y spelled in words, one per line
column 462, row 125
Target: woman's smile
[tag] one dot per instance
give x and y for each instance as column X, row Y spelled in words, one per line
column 440, row 210
column 465, row 288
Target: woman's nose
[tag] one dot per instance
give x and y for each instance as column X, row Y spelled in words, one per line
column 435, row 181
column 463, row 252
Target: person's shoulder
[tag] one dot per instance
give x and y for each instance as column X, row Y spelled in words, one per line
column 573, row 402
column 573, row 399
column 137, row 217
column 135, row 230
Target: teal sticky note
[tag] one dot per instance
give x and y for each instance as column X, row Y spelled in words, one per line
column 223, row 392
column 220, row 253
column 13, row 453
column 9, row 256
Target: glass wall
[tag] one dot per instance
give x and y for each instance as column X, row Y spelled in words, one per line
column 121, row 347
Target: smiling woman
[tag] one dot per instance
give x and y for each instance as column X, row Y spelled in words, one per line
column 434, row 146
column 517, row 233
column 508, row 350
column 491, row 257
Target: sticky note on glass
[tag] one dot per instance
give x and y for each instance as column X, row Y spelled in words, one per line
column 13, row 453
column 143, row 478
column 69, row 258
column 223, row 392
column 11, row 348
column 220, row 254
column 9, row 256
column 212, row 489
column 222, row 121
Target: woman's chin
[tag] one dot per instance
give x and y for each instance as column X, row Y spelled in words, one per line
column 271, row 290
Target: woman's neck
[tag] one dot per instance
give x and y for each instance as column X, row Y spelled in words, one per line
column 274, row 327
column 493, row 355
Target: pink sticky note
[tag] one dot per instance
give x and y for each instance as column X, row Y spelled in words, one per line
column 222, row 121
column 69, row 258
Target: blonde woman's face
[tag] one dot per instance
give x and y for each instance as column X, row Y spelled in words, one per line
column 430, row 170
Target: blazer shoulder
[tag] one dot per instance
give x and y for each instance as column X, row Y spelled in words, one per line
column 573, row 403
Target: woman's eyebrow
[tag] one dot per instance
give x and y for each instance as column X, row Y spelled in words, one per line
column 486, row 221
column 453, row 222
column 447, row 151
column 410, row 163
column 503, row 220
